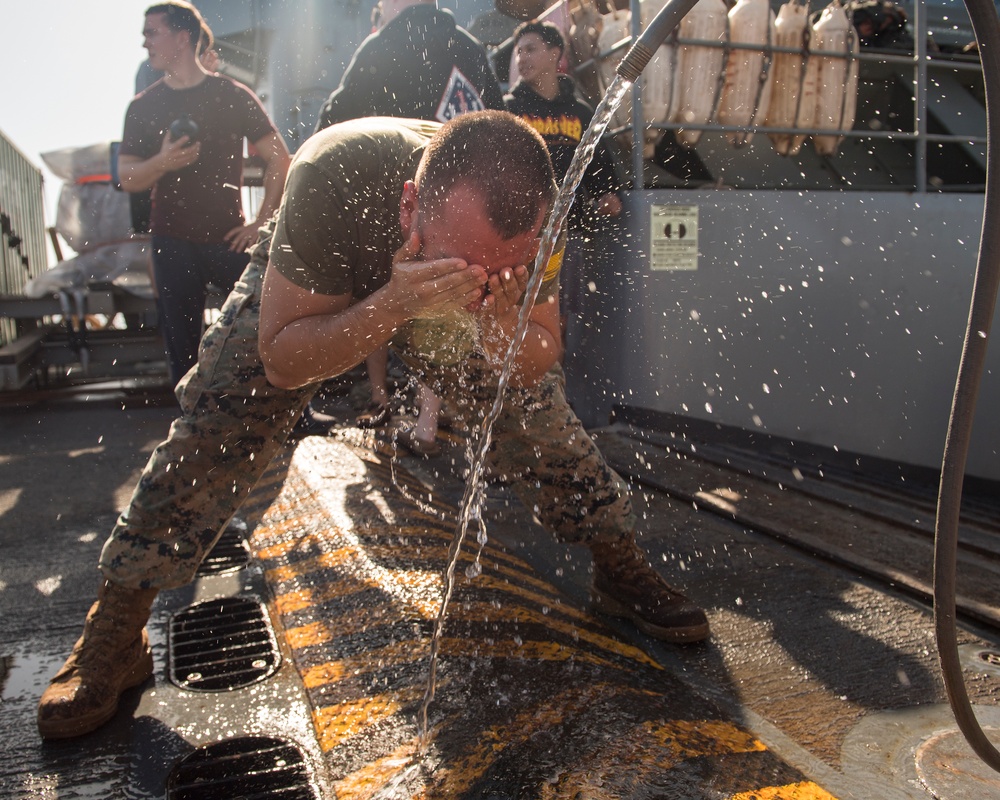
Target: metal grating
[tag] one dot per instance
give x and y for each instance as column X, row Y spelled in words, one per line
column 248, row 768
column 229, row 554
column 222, row 644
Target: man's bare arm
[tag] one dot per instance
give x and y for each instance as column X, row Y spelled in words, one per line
column 542, row 345
column 306, row 337
column 273, row 151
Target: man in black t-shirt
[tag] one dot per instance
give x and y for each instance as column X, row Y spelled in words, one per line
column 199, row 233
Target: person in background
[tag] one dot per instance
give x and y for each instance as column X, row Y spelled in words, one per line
column 391, row 231
column 417, row 64
column 199, row 234
column 146, row 76
column 547, row 100
column 881, row 23
column 141, row 203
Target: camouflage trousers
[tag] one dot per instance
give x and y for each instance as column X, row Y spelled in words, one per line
column 540, row 446
column 233, row 423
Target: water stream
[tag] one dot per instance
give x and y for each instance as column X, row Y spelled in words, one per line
column 472, row 500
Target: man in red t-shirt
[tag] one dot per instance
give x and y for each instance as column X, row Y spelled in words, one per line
column 199, row 232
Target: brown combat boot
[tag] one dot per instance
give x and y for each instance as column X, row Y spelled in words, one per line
column 112, row 655
column 626, row 586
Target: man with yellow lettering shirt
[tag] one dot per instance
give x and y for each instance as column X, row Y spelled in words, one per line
column 547, row 101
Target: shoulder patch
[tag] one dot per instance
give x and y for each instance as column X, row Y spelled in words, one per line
column 554, row 265
column 460, row 96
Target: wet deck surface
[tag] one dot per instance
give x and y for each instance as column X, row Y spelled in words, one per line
column 819, row 680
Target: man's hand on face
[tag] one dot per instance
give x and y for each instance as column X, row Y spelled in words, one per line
column 506, row 287
column 504, row 290
column 435, row 287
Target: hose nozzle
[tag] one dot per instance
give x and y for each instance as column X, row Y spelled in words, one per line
column 645, row 47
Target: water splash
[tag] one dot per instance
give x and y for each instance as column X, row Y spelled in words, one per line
column 472, row 500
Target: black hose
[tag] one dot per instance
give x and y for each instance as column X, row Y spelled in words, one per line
column 986, row 26
column 655, row 34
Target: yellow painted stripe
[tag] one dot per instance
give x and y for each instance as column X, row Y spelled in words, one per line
column 331, row 559
column 516, row 571
column 365, row 619
column 290, row 602
column 395, row 654
column 653, row 747
column 650, row 750
column 415, row 651
column 554, row 265
column 289, row 535
column 395, row 549
column 365, row 567
column 307, row 635
column 545, row 597
column 301, row 599
column 366, row 783
column 806, row 790
column 337, row 723
column 358, row 621
column 692, row 738
column 463, row 773
column 517, row 613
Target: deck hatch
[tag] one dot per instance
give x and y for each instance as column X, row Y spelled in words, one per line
column 246, row 768
column 230, row 553
column 222, row 644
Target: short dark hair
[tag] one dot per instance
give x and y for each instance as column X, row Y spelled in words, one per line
column 499, row 155
column 182, row 16
column 549, row 33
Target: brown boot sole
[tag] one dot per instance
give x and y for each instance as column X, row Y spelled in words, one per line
column 681, row 634
column 85, row 723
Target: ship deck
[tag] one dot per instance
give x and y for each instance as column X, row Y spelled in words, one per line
column 820, row 679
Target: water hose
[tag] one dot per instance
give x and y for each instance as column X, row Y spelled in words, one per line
column 986, row 26
column 656, row 33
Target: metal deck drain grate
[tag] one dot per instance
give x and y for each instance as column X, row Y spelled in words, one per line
column 230, row 553
column 249, row 768
column 222, row 644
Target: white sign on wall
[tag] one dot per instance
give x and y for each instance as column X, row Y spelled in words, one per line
column 673, row 235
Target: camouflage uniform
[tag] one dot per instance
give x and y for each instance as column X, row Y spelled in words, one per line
column 540, row 445
column 234, row 423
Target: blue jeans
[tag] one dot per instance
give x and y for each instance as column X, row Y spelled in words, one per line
column 181, row 272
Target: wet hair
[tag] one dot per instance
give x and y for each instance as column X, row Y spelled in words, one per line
column 501, row 157
column 549, row 33
column 182, row 16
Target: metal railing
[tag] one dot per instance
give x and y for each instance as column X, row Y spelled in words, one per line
column 920, row 63
column 23, row 253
